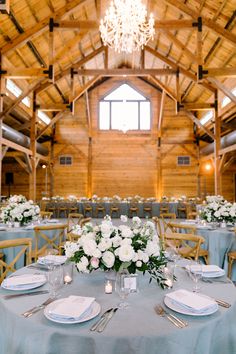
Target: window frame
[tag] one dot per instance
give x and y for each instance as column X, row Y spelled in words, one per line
column 65, row 156
column 183, row 157
column 146, row 99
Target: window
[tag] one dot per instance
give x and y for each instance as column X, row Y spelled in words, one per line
column 208, row 116
column 44, row 117
column 65, row 160
column 124, row 109
column 183, row 160
column 226, row 100
column 16, row 91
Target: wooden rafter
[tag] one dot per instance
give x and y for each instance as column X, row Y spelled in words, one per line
column 199, row 124
column 52, row 122
column 124, row 71
column 41, row 26
column 177, row 4
column 222, row 88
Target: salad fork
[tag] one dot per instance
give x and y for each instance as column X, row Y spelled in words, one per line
column 175, row 320
column 37, row 308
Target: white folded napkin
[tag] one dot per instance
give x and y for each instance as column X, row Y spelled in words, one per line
column 205, row 269
column 72, row 307
column 52, row 221
column 29, row 227
column 22, row 280
column 193, row 302
column 49, row 259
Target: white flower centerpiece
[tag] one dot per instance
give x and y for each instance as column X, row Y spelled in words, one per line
column 108, row 247
column 20, row 210
column 217, row 209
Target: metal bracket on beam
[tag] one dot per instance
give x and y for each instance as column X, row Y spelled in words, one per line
column 179, row 106
column 159, row 142
column 35, row 106
column 49, row 71
column 52, row 24
column 2, row 72
column 201, row 72
column 198, row 24
column 71, row 106
column 73, row 72
column 177, row 72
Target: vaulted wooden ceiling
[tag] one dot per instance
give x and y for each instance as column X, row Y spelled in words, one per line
column 179, row 45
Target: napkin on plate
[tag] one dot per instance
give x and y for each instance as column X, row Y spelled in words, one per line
column 22, row 280
column 206, row 270
column 192, row 302
column 72, row 307
column 49, row 259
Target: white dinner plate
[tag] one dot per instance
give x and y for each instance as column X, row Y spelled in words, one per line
column 184, row 311
column 52, row 221
column 2, row 228
column 204, row 227
column 95, row 310
column 24, row 287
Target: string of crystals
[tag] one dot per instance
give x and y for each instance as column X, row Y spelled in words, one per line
column 125, row 27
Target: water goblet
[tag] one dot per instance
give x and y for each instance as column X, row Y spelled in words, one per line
column 123, row 289
column 55, row 280
column 195, row 272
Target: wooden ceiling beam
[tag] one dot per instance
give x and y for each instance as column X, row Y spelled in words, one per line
column 199, row 124
column 25, row 73
column 40, row 27
column 53, row 107
column 226, row 72
column 218, row 84
column 76, row 25
column 53, row 121
column 85, row 88
column 197, row 106
column 177, row 4
column 174, row 65
column 124, row 71
column 164, row 87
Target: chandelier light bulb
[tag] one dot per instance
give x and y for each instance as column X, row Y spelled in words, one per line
column 125, row 27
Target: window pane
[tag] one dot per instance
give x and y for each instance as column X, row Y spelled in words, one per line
column 145, row 116
column 116, row 115
column 104, row 116
column 125, row 92
column 131, row 115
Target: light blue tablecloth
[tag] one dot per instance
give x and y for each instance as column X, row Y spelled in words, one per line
column 137, row 330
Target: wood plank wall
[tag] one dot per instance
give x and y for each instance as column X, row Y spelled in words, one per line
column 123, row 164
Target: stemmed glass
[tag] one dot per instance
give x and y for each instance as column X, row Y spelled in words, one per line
column 195, row 272
column 55, row 280
column 173, row 256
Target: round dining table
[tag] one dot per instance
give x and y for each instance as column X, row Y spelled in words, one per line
column 135, row 330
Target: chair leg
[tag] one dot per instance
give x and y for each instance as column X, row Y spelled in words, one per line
column 230, row 267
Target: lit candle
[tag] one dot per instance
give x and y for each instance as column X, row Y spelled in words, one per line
column 67, row 279
column 108, row 287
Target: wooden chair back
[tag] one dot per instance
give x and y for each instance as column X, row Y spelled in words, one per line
column 187, row 245
column 22, row 246
column 168, row 215
column 158, row 226
column 74, row 219
column 46, row 214
column 176, row 227
column 84, row 221
column 44, row 241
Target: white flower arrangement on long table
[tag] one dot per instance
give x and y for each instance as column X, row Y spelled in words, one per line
column 107, row 247
column 20, row 210
column 218, row 209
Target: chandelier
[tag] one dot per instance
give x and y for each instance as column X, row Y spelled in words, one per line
column 125, row 27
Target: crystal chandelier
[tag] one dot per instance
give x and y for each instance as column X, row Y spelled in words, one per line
column 125, row 27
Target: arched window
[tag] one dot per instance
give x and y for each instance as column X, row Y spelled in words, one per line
column 124, row 109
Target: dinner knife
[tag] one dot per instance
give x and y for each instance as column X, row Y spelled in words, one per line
column 103, row 317
column 38, row 292
column 108, row 318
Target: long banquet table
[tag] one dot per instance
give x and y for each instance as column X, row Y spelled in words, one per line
column 123, row 208
column 137, row 330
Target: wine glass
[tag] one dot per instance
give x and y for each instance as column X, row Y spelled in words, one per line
column 55, row 280
column 172, row 255
column 195, row 272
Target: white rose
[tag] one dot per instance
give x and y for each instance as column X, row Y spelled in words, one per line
column 138, row 264
column 116, row 241
column 82, row 267
column 97, row 253
column 108, row 259
column 106, row 229
column 105, row 244
column 123, row 218
column 89, row 247
column 94, row 262
column 152, row 248
column 126, row 231
column 126, row 253
column 136, row 220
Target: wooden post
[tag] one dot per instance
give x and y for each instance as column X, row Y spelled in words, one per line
column 2, row 91
column 51, row 171
column 33, row 131
column 89, row 179
column 159, row 169
column 217, row 130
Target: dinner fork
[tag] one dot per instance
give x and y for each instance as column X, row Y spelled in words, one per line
column 175, row 320
column 37, row 308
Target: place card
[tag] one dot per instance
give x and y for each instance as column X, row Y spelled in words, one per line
column 131, row 282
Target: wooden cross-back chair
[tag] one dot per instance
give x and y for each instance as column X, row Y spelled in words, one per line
column 22, row 247
column 74, row 219
column 115, row 208
column 84, row 221
column 232, row 259
column 133, row 209
column 44, row 240
column 190, row 229
column 88, row 209
column 187, row 245
column 168, row 215
column 46, row 214
column 158, row 226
